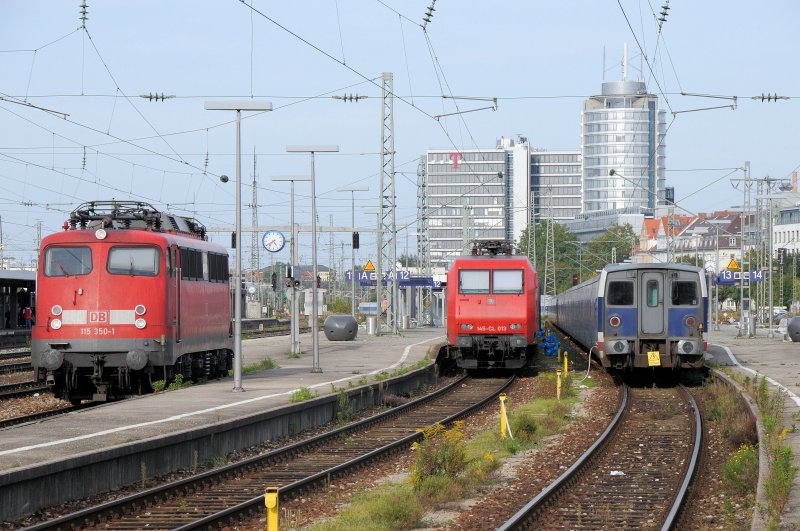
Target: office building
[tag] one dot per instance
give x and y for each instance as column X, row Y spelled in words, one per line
column 477, row 194
column 623, row 130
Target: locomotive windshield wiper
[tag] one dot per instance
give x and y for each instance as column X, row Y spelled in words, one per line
column 62, row 268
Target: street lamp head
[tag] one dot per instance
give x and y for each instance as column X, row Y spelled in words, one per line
column 612, row 172
column 223, row 178
column 312, row 149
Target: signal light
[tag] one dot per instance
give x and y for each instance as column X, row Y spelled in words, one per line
column 319, row 282
column 233, row 240
column 574, row 280
column 274, row 281
column 355, row 240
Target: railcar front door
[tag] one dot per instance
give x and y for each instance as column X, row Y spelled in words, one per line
column 651, row 303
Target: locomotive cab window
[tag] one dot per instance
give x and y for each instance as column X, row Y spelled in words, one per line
column 620, row 293
column 507, row 281
column 473, row 281
column 139, row 261
column 67, row 261
column 684, row 293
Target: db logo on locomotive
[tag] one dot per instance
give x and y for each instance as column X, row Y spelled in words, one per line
column 97, row 317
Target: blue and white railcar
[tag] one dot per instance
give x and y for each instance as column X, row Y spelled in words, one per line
column 638, row 315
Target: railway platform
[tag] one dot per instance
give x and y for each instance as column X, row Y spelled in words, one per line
column 151, row 416
column 779, row 361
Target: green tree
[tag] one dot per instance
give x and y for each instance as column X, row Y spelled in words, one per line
column 566, row 252
column 601, row 250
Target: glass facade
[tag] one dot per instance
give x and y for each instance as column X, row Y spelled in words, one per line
column 556, row 182
column 467, row 198
column 623, row 129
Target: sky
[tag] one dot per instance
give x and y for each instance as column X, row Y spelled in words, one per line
column 73, row 127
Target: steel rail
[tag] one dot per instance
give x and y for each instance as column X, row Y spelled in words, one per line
column 99, row 513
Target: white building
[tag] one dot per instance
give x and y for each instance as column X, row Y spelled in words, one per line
column 477, row 194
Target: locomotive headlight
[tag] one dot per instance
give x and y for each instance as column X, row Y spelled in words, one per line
column 55, row 324
column 100, row 234
column 140, row 309
column 515, row 326
column 140, row 323
column 615, row 321
column 466, row 327
column 56, row 310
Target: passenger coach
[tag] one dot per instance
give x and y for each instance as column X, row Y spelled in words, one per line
column 638, row 315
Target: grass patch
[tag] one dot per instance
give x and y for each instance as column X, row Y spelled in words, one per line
column 387, row 508
column 263, row 365
column 344, row 409
column 741, row 470
column 302, row 394
column 781, row 468
column 449, row 467
column 176, row 383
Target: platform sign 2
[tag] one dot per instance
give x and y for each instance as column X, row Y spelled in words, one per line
column 729, row 278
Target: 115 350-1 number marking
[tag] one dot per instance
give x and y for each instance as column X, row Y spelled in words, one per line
column 97, row 331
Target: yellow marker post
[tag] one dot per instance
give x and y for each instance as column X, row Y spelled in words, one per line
column 559, row 354
column 503, row 425
column 271, row 501
column 558, row 385
column 566, row 365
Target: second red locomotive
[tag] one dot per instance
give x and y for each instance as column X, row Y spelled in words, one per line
column 128, row 295
column 492, row 308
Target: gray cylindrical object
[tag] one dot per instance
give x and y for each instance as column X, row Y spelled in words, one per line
column 372, row 325
column 405, row 322
column 793, row 329
column 340, row 327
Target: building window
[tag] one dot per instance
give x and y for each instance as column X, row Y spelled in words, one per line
column 732, row 241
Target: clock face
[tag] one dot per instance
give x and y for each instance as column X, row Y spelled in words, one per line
column 274, row 240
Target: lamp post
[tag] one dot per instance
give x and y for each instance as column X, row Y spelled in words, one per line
column 294, row 324
column 353, row 190
column 314, row 295
column 238, row 106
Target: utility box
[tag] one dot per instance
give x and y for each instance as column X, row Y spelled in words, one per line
column 340, row 327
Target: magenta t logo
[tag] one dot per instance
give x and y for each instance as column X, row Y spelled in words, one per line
column 455, row 156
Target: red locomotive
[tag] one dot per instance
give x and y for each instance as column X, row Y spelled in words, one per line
column 128, row 295
column 492, row 308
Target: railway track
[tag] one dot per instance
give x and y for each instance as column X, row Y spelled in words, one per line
column 15, row 390
column 19, row 366
column 16, row 353
column 635, row 476
column 221, row 496
column 23, row 419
